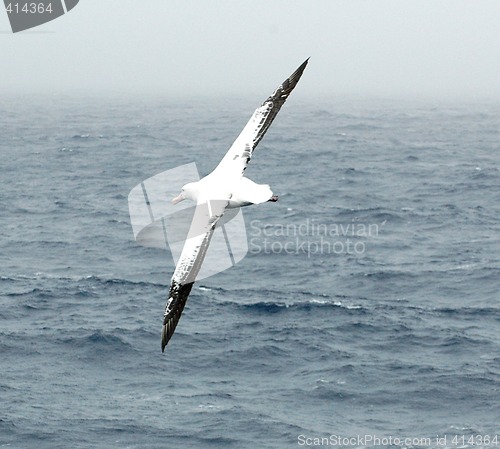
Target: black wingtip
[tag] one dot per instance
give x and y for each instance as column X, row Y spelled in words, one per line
column 300, row 70
column 302, row 67
column 290, row 83
column 178, row 296
column 164, row 340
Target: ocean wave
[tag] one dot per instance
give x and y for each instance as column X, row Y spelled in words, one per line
column 96, row 340
column 33, row 292
column 390, row 274
column 470, row 312
column 360, row 127
column 7, row 426
column 277, row 307
column 91, row 278
column 463, row 342
column 303, row 299
column 254, row 353
column 376, row 215
column 333, row 392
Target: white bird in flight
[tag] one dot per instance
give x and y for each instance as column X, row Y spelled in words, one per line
column 222, row 189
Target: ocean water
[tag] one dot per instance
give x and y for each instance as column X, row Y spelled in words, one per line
column 368, row 305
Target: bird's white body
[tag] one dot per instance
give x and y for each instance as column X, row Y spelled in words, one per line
column 237, row 192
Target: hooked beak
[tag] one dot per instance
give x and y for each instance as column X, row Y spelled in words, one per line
column 178, row 199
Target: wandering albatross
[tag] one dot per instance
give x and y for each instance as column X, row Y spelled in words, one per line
column 222, row 189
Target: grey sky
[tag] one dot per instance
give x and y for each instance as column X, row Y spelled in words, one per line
column 364, row 47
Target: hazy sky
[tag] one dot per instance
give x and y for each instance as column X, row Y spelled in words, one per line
column 364, row 47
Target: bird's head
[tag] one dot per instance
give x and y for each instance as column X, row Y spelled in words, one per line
column 188, row 192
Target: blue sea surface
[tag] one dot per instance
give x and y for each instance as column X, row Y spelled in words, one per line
column 368, row 304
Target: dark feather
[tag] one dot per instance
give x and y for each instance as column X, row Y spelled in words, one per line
column 177, row 298
column 278, row 98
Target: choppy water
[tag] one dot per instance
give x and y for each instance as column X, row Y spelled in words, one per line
column 397, row 335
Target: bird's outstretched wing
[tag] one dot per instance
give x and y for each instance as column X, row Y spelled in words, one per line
column 205, row 219
column 240, row 153
column 207, row 214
